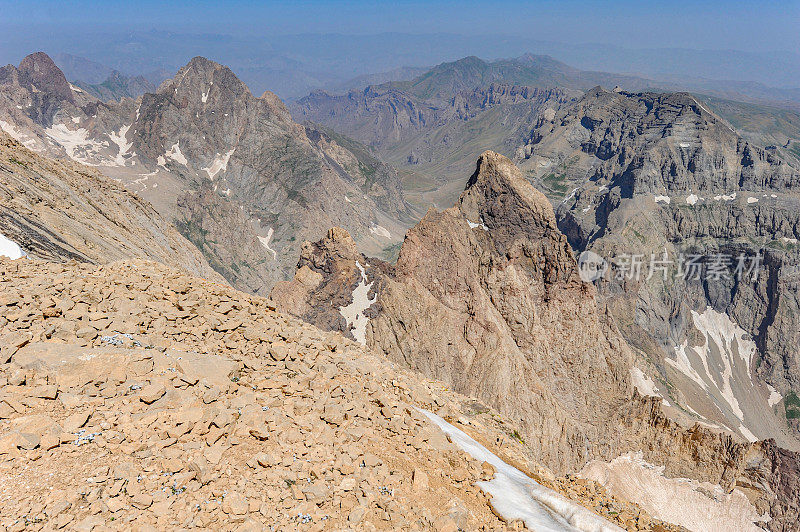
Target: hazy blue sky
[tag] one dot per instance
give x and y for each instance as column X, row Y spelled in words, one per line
column 721, row 24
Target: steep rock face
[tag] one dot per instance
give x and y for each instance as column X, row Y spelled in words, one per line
column 328, row 273
column 229, row 150
column 61, row 211
column 654, row 174
column 203, row 138
column 653, row 143
column 486, row 297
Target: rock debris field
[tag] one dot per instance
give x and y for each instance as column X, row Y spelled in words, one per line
column 133, row 396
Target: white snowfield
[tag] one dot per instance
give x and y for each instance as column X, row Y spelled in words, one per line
column 354, row 312
column 700, row 507
column 173, row 153
column 19, row 136
column 474, row 225
column 663, row 199
column 516, row 496
column 265, row 242
column 774, row 396
column 10, row 249
column 721, row 367
column 123, row 145
column 219, row 164
column 691, row 199
column 77, row 144
column 644, row 384
column 723, row 197
column 380, row 231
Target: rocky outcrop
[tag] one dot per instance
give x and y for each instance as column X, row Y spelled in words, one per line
column 486, row 296
column 63, row 211
column 141, row 395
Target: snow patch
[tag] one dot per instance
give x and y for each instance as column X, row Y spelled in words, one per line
column 698, row 506
column 76, row 143
column 774, row 396
column 570, row 195
column 516, row 496
column 752, row 200
column 73, row 87
column 749, row 436
column 644, row 384
column 721, row 364
column 691, row 199
column 219, row 164
column 175, row 154
column 19, row 136
column 10, row 249
column 480, row 224
column 662, row 199
column 380, row 231
column 723, row 197
column 205, row 95
column 265, row 242
column 788, row 240
column 348, row 200
column 354, row 312
column 122, row 143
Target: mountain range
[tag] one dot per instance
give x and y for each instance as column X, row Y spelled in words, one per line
column 598, row 286
column 214, row 160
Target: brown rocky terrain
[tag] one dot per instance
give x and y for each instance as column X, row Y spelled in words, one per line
column 136, row 396
column 486, row 297
column 60, row 210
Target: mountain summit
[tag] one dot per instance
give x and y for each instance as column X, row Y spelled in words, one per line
column 236, row 175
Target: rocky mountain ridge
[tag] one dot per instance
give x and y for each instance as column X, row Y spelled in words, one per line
column 398, row 118
column 487, row 297
column 660, row 175
column 60, row 211
column 202, row 148
column 167, row 401
column 117, row 86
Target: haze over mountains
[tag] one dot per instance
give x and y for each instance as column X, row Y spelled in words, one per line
column 439, row 217
column 293, row 65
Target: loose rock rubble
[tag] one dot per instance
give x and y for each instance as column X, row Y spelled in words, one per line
column 134, row 396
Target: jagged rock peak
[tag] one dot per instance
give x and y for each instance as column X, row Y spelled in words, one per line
column 203, row 74
column 498, row 194
column 276, row 104
column 38, row 69
column 337, row 242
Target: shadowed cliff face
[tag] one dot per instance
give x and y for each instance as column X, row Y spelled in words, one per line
column 486, row 296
